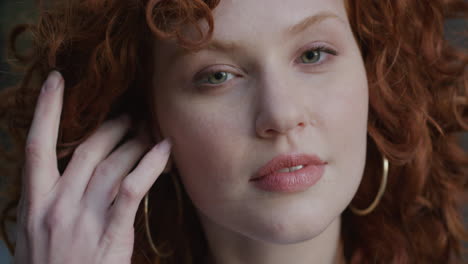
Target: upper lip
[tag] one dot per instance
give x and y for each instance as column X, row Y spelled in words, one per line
column 286, row 161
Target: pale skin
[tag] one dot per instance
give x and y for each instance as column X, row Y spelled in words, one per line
column 260, row 92
column 69, row 218
column 273, row 102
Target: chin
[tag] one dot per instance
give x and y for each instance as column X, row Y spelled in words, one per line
column 288, row 230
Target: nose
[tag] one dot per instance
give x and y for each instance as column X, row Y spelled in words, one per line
column 280, row 110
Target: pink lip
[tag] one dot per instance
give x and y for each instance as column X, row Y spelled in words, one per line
column 268, row 178
column 286, row 161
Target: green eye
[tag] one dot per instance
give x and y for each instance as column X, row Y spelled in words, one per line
column 311, row 56
column 217, row 77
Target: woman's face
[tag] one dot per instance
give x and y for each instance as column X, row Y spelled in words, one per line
column 260, row 91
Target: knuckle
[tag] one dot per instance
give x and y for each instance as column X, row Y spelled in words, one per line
column 33, row 152
column 57, row 218
column 120, row 238
column 28, row 221
column 130, row 190
column 30, row 226
column 29, row 210
column 53, row 219
column 105, row 168
column 83, row 153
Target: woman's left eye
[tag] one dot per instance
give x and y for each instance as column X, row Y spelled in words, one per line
column 314, row 56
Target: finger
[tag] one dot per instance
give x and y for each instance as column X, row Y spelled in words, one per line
column 135, row 186
column 155, row 136
column 108, row 175
column 40, row 169
column 90, row 153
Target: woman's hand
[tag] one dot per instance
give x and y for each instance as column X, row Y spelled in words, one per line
column 71, row 218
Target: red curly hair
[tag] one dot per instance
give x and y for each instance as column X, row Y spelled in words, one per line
column 418, row 108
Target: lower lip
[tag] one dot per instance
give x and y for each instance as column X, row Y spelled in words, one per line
column 298, row 180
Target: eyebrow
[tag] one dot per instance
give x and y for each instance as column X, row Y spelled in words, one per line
column 295, row 29
column 312, row 20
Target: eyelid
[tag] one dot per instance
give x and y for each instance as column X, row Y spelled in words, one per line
column 209, row 70
column 201, row 76
column 321, row 47
column 207, row 74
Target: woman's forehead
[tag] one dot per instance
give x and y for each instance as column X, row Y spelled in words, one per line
column 235, row 20
column 276, row 15
column 238, row 12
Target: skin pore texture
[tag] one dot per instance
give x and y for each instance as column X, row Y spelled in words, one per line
column 260, row 90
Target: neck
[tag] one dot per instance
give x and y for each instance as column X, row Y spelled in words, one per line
column 226, row 248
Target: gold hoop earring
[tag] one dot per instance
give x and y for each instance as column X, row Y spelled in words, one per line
column 147, row 227
column 380, row 193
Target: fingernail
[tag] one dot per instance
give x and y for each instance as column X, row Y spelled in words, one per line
column 53, row 80
column 165, row 145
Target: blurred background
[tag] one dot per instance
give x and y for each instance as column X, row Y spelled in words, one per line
column 15, row 11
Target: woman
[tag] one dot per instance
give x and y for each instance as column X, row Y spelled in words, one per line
column 315, row 131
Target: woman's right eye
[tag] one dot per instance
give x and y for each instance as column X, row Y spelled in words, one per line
column 216, row 77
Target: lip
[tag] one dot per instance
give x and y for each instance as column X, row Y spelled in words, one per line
column 286, row 161
column 268, row 178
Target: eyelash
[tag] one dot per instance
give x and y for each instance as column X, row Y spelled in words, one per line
column 319, row 48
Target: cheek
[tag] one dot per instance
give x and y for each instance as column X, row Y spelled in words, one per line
column 207, row 148
column 345, row 107
column 349, row 129
column 345, row 128
column 347, row 114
